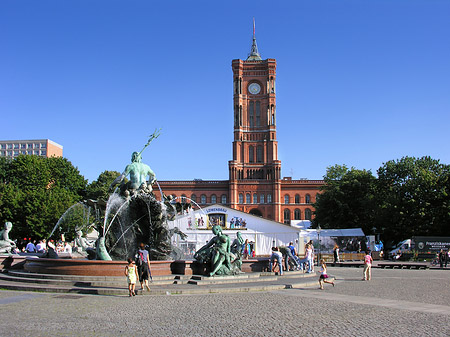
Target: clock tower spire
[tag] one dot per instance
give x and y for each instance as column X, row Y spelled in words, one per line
column 254, row 54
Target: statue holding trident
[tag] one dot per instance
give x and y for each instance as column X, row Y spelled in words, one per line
column 138, row 172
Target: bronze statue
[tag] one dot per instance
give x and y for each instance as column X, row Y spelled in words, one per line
column 138, row 173
column 217, row 253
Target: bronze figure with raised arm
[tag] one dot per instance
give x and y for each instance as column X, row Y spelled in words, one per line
column 138, row 172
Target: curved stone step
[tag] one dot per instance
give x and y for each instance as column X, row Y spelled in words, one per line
column 204, row 285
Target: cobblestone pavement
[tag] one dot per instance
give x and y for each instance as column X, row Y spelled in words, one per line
column 393, row 303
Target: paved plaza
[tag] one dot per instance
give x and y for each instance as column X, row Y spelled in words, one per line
column 395, row 303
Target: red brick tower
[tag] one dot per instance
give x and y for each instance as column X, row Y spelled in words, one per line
column 255, row 171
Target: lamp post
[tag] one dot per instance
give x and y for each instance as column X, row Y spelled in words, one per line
column 318, row 238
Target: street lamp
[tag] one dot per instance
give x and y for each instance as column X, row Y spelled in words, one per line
column 318, row 238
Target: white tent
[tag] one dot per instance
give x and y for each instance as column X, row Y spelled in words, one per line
column 262, row 233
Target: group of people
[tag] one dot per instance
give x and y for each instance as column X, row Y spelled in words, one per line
column 289, row 255
column 291, row 260
column 138, row 269
column 41, row 247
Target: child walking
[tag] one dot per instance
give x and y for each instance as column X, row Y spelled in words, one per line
column 367, row 274
column 323, row 275
column 132, row 275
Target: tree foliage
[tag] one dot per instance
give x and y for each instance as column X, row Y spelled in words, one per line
column 99, row 189
column 409, row 197
column 347, row 200
column 414, row 198
column 36, row 191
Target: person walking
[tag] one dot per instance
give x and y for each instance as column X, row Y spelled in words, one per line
column 144, row 265
column 367, row 274
column 443, row 259
column 309, row 253
column 323, row 275
column 246, row 249
column 336, row 254
column 132, row 276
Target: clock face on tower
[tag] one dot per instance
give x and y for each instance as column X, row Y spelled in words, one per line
column 254, row 88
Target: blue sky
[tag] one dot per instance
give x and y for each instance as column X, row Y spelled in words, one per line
column 358, row 82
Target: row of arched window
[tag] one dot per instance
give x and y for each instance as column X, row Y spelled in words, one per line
column 287, row 199
column 249, row 199
column 251, row 154
column 254, row 114
column 203, row 199
column 297, row 215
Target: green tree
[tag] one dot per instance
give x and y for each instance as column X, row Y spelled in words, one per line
column 414, row 198
column 99, row 189
column 36, row 191
column 347, row 200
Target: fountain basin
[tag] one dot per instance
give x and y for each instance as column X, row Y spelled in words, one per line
column 85, row 267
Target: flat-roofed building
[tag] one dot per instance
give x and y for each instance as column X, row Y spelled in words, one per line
column 37, row 147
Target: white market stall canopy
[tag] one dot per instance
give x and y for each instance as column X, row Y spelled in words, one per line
column 262, row 233
column 348, row 239
column 354, row 232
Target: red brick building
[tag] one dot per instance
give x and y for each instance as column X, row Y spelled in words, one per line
column 255, row 185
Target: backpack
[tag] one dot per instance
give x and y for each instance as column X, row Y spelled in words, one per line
column 138, row 260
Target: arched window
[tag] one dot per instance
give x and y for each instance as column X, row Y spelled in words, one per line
column 307, row 214
column 241, row 198
column 269, row 198
column 183, row 199
column 307, row 199
column 259, row 154
column 248, row 198
column 258, row 114
column 213, row 199
column 251, row 154
column 240, row 115
column 261, row 199
column 286, row 199
column 224, row 198
column 203, row 199
column 194, row 198
column 287, row 216
column 250, row 113
column 297, row 199
column 297, row 214
column 255, row 198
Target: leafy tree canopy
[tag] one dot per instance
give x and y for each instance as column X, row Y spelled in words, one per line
column 99, row 189
column 36, row 191
column 409, row 197
column 414, row 197
column 347, row 199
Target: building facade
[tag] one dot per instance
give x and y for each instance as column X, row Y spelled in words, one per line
column 37, row 147
column 255, row 184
